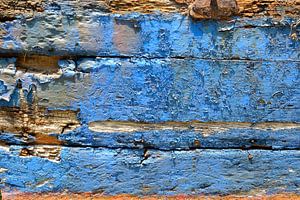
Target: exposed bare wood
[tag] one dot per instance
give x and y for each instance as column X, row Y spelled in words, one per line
column 206, row 128
column 38, row 122
column 247, row 8
column 46, row 64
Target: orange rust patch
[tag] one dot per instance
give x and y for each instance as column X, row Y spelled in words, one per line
column 91, row 196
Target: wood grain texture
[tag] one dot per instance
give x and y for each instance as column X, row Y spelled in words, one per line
column 137, row 172
column 247, row 8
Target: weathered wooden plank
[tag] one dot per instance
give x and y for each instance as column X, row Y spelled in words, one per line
column 163, row 136
column 174, row 35
column 193, row 135
column 151, row 172
column 250, row 8
column 156, row 90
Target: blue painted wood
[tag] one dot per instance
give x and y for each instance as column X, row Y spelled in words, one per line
column 158, row 90
column 155, row 90
column 185, row 137
column 155, row 68
column 172, row 35
column 157, row 172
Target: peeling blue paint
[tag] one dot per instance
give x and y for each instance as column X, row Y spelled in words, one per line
column 159, row 36
column 183, row 90
column 162, row 173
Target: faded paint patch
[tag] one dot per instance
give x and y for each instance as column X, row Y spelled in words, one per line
column 206, row 128
column 90, row 36
column 126, row 36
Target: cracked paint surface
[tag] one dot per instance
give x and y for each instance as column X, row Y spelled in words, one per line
column 136, row 97
column 163, row 173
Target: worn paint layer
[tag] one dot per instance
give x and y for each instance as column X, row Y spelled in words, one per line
column 168, row 90
column 155, row 90
column 149, row 104
column 137, row 35
column 172, row 135
column 137, row 172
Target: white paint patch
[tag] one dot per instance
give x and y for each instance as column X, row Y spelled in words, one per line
column 3, row 170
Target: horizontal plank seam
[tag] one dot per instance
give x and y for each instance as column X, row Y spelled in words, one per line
column 78, row 57
column 152, row 148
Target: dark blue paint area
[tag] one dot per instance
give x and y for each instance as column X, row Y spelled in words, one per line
column 162, row 173
column 156, row 90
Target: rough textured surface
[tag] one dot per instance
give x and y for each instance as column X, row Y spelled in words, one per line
column 95, row 196
column 137, row 97
column 9, row 9
column 137, row 172
column 179, row 90
column 165, row 89
column 174, row 91
column 248, row 8
column 172, row 135
column 136, row 35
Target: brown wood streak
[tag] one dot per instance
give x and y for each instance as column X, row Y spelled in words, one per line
column 38, row 122
column 46, row 64
column 10, row 8
column 92, row 196
column 206, row 128
column 246, row 8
